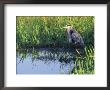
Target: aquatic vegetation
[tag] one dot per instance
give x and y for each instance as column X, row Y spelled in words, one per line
column 85, row 64
column 48, row 32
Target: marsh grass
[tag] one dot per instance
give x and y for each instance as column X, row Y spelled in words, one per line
column 47, row 31
column 85, row 64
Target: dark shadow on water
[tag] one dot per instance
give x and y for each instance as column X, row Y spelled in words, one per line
column 45, row 61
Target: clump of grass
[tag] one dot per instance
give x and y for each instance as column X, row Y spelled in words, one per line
column 85, row 64
column 48, row 31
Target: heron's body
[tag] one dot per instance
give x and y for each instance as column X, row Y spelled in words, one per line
column 74, row 37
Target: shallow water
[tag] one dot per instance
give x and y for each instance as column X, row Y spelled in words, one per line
column 45, row 61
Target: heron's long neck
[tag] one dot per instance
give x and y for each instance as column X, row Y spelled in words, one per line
column 71, row 31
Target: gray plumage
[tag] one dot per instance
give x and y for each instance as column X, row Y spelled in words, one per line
column 74, row 37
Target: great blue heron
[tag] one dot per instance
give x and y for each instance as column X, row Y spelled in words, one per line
column 74, row 37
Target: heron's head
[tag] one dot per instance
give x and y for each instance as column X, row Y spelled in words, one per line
column 68, row 28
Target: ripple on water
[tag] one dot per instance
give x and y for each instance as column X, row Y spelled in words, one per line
column 44, row 61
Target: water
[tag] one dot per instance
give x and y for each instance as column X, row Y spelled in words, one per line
column 45, row 61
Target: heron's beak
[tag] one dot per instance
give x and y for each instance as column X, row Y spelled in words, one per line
column 65, row 27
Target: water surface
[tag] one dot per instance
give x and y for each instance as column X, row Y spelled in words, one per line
column 45, row 61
